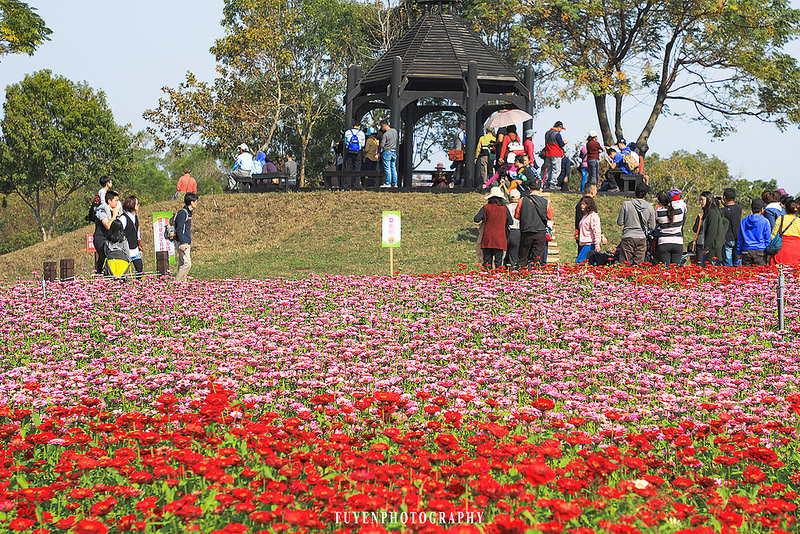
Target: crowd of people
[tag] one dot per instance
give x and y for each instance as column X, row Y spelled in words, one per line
column 117, row 237
column 516, row 237
column 373, row 149
column 246, row 166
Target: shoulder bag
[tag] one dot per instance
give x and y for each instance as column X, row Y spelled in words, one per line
column 777, row 242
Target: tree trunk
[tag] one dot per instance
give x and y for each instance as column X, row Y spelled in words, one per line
column 618, row 116
column 602, row 119
column 303, row 148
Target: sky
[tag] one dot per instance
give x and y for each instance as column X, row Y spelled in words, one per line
column 130, row 50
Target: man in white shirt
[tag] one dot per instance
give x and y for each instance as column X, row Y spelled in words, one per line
column 243, row 167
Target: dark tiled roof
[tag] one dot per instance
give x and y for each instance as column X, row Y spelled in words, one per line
column 439, row 47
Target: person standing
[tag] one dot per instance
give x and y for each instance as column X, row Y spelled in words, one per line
column 483, row 155
column 637, row 218
column 133, row 234
column 183, row 236
column 593, row 150
column 733, row 212
column 354, row 141
column 186, row 184
column 591, row 191
column 242, row 168
column 774, row 209
column 715, row 227
column 459, row 143
column 533, row 212
column 292, row 170
column 106, row 183
column 788, row 225
column 496, row 218
column 389, row 144
column 371, row 149
column 670, row 214
column 583, row 156
column 553, row 154
column 590, row 234
column 754, row 236
column 512, row 251
column 104, row 214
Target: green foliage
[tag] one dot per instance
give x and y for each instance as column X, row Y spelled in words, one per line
column 725, row 60
column 21, row 29
column 57, row 136
column 698, row 172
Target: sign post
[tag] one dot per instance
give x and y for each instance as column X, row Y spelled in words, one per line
column 160, row 221
column 391, row 235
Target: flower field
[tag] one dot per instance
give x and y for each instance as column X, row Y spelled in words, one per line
column 576, row 400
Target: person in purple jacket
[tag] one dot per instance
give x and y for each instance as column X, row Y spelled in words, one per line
column 754, row 236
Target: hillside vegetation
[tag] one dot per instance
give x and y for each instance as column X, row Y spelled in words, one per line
column 295, row 235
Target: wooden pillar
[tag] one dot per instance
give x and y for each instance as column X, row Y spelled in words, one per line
column 67, row 268
column 394, row 92
column 348, row 104
column 409, row 117
column 529, row 81
column 472, row 119
column 162, row 263
column 49, row 271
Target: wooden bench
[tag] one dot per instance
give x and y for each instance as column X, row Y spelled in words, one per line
column 264, row 182
column 328, row 175
column 629, row 182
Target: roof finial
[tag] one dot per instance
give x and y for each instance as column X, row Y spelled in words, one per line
column 443, row 5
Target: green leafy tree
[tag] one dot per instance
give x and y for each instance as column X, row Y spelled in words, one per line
column 698, row 172
column 21, row 29
column 57, row 135
column 724, row 59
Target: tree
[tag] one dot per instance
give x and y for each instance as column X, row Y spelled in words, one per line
column 281, row 68
column 724, row 58
column 21, row 29
column 698, row 172
column 57, row 135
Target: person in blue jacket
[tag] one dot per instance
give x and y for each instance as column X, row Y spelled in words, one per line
column 754, row 236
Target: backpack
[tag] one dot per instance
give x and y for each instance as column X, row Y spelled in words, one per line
column 353, row 145
column 169, row 230
column 629, row 161
column 90, row 217
column 516, row 147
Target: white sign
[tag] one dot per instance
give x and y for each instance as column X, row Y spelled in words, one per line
column 391, row 229
column 160, row 222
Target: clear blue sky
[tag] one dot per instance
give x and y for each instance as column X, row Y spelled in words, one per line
column 132, row 49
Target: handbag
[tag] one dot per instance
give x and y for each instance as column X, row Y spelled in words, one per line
column 455, row 155
column 777, row 242
column 691, row 248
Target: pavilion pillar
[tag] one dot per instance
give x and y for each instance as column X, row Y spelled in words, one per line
column 351, row 84
column 409, row 118
column 472, row 125
column 529, row 81
column 394, row 92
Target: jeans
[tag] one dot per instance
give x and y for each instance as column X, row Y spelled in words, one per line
column 731, row 258
column 584, row 252
column 594, row 171
column 552, row 165
column 389, row 160
column 584, row 177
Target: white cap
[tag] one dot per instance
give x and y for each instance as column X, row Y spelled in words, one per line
column 592, row 134
column 244, row 147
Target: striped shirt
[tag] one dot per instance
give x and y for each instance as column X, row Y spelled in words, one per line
column 671, row 232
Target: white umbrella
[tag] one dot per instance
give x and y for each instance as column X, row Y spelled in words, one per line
column 507, row 117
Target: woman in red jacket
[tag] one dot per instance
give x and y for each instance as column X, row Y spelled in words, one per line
column 496, row 219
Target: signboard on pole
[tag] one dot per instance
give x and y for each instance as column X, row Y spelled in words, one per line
column 160, row 222
column 90, row 243
column 391, row 229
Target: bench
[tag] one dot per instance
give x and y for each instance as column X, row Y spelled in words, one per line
column 329, row 175
column 264, row 182
column 629, row 182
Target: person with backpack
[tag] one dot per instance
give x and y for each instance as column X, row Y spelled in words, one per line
column 533, row 212
column 483, row 155
column 104, row 215
column 459, row 143
column 511, row 148
column 553, row 154
column 637, row 218
column 754, row 236
column 106, row 183
column 354, row 143
column 774, row 209
column 788, row 226
column 183, row 236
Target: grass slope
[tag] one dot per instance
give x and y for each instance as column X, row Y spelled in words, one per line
column 295, row 235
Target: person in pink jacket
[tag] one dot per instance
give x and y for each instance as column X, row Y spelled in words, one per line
column 590, row 235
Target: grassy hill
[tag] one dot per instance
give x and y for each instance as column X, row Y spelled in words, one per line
column 294, row 235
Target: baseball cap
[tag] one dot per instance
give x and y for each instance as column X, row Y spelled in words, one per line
column 529, row 132
column 757, row 204
column 621, row 141
column 514, row 194
column 559, row 124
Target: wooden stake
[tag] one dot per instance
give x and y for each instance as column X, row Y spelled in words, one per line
column 391, row 262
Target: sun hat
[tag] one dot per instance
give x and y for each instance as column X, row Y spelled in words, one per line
column 529, row 133
column 244, row 147
column 514, row 195
column 495, row 192
column 440, row 165
column 592, row 134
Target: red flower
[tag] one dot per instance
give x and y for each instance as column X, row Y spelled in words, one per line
column 753, row 474
column 21, row 523
column 87, row 526
column 261, row 516
column 543, row 404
